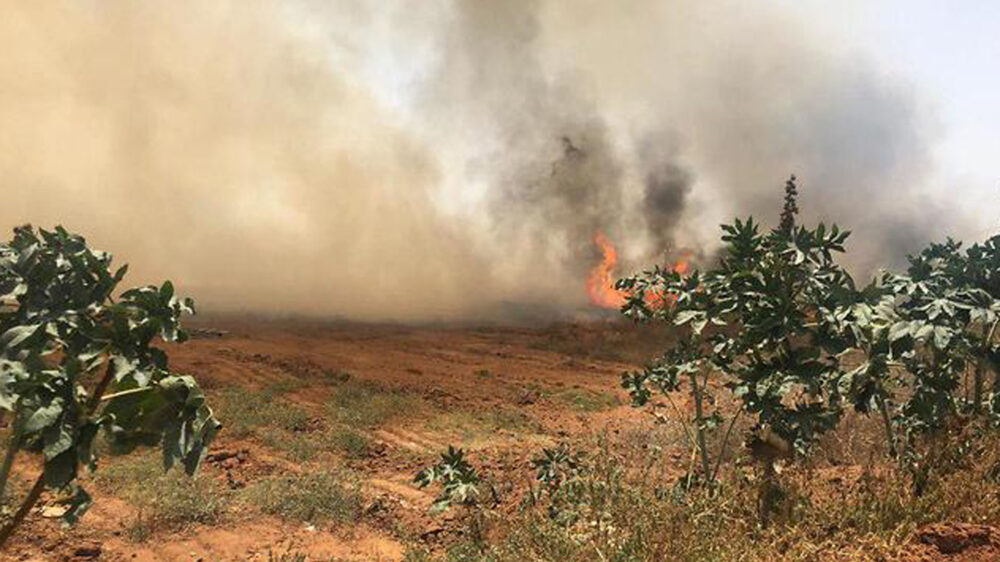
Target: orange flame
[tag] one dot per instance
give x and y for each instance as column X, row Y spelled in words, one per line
column 600, row 280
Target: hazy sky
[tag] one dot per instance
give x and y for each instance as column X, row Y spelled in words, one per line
column 950, row 52
column 947, row 52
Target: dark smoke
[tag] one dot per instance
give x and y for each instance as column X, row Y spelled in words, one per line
column 667, row 187
column 679, row 115
column 442, row 159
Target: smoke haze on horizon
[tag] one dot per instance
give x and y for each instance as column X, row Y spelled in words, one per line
column 375, row 161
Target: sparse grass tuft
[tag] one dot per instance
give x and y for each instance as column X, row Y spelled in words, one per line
column 349, row 441
column 336, row 376
column 475, row 427
column 364, row 405
column 298, row 447
column 314, row 497
column 285, row 386
column 164, row 501
column 583, row 400
column 243, row 411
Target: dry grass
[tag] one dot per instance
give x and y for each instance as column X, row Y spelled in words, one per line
column 615, row 340
column 584, row 400
column 314, row 497
column 363, row 405
column 168, row 501
column 244, row 412
column 629, row 511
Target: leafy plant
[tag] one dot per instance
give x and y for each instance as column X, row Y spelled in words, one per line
column 921, row 332
column 764, row 324
column 458, row 479
column 75, row 360
column 560, row 471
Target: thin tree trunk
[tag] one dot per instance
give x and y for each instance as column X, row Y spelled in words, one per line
column 699, row 424
column 890, row 435
column 13, row 446
column 765, row 500
column 36, row 490
column 977, row 392
column 22, row 512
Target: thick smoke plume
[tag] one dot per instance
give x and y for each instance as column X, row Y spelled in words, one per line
column 444, row 160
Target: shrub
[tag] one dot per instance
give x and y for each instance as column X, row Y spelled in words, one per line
column 74, row 360
column 776, row 345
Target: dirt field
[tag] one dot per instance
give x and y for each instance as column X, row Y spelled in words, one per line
column 405, row 394
column 326, row 425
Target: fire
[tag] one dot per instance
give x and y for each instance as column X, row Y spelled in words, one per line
column 600, row 280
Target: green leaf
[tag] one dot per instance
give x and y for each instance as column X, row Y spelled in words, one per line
column 58, row 438
column 899, row 330
column 17, row 335
column 10, row 373
column 44, row 416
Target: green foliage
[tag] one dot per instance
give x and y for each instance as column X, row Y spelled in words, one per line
column 75, row 360
column 921, row 331
column 763, row 321
column 561, row 474
column 777, row 318
column 458, row 479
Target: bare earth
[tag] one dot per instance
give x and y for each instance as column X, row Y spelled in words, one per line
column 557, row 383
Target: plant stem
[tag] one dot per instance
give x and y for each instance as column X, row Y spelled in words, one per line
column 102, row 386
column 13, row 446
column 988, row 339
column 977, row 393
column 699, row 423
column 725, row 444
column 890, row 437
column 22, row 512
column 36, row 490
column 114, row 395
column 683, row 421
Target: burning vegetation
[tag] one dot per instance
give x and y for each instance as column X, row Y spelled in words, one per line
column 600, row 285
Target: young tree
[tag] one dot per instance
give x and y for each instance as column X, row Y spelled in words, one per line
column 920, row 331
column 75, row 360
column 777, row 347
